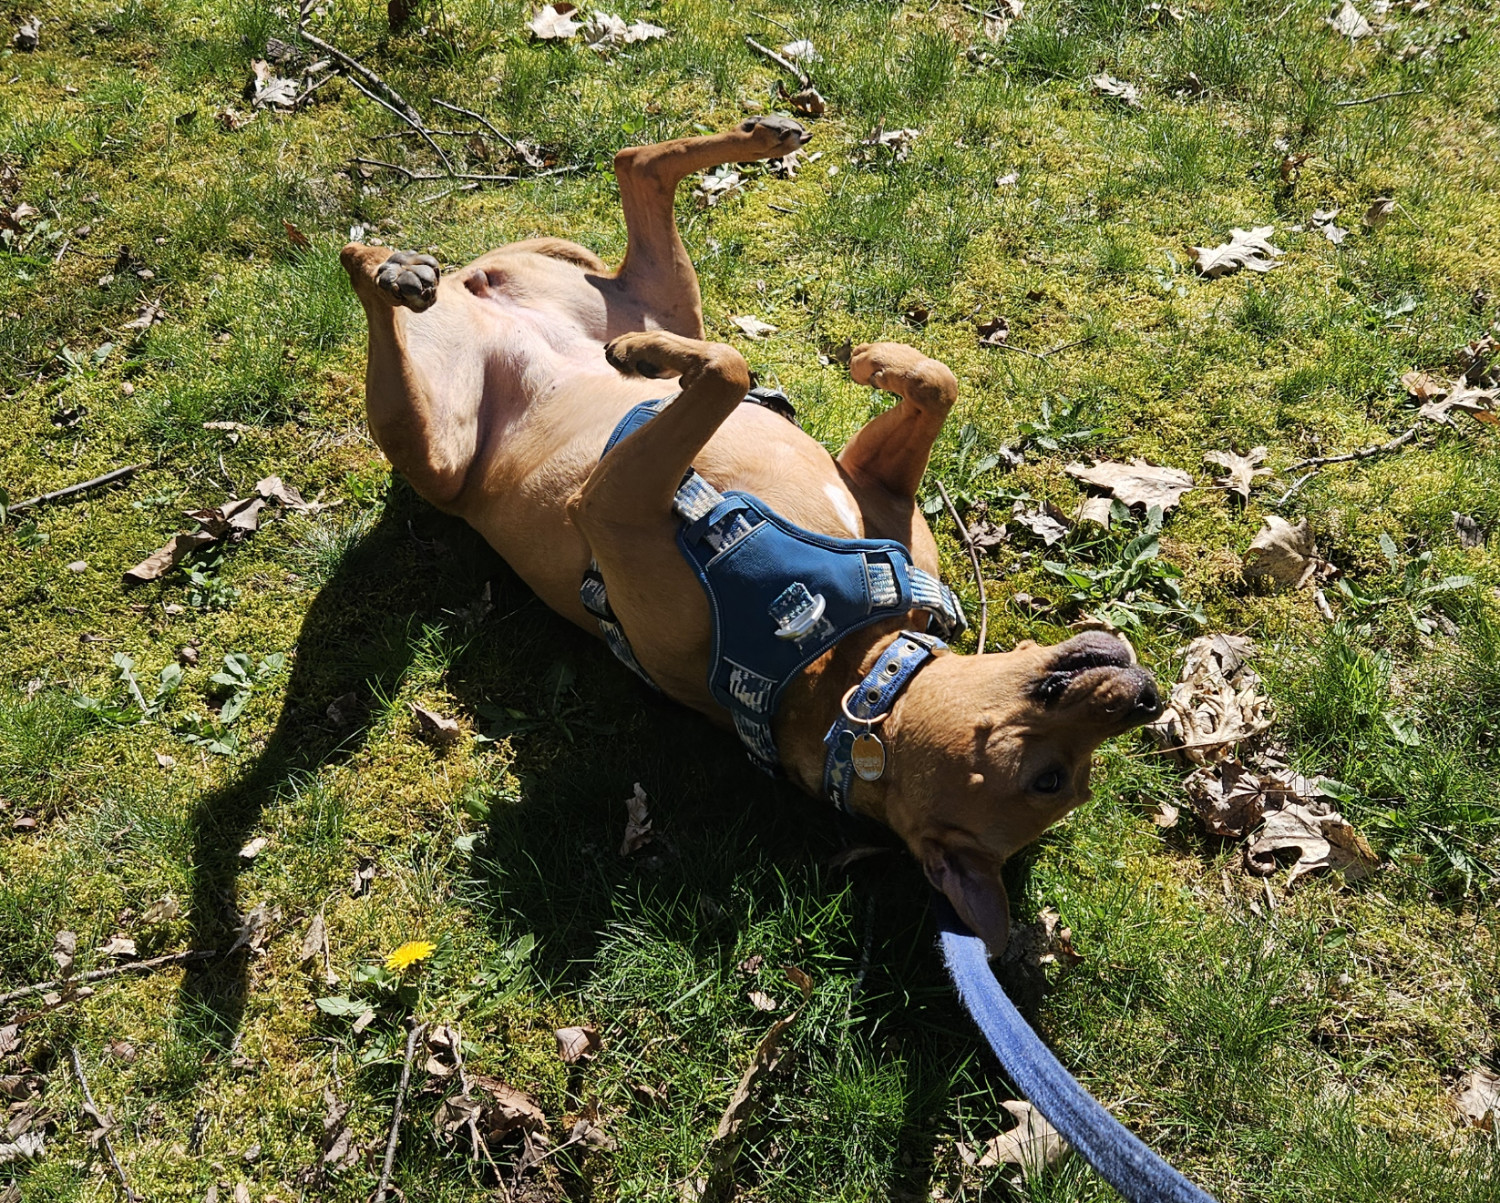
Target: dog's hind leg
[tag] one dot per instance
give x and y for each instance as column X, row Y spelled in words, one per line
column 657, row 272
column 891, row 450
column 422, row 408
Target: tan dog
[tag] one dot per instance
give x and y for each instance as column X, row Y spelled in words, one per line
column 493, row 395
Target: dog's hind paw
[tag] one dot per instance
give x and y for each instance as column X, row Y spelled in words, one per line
column 409, row 279
column 623, row 354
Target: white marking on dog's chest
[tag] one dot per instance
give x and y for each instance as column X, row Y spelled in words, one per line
column 848, row 515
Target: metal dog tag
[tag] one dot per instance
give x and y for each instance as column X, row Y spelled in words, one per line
column 868, row 756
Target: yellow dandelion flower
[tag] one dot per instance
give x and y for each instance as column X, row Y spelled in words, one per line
column 409, row 954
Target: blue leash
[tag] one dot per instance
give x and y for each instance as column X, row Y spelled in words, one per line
column 1106, row 1144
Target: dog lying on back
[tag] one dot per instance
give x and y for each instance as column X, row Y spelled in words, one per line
column 495, row 392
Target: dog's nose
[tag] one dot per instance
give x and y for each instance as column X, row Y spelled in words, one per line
column 1148, row 702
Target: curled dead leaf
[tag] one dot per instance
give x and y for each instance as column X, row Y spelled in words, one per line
column 1216, row 704
column 1285, row 553
column 1322, row 841
column 1241, row 471
column 638, row 831
column 554, row 22
column 1478, row 1099
column 1116, row 89
column 574, row 1044
column 753, row 327
column 434, row 727
column 1033, row 1144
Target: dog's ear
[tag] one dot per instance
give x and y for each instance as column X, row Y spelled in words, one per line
column 975, row 890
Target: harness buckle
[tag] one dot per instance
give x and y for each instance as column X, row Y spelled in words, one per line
column 797, row 612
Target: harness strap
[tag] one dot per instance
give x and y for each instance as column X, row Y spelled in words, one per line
column 871, row 699
column 1106, row 1144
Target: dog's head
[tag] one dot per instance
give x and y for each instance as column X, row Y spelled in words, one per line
column 987, row 752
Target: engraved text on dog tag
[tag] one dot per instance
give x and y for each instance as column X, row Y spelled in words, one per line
column 868, row 755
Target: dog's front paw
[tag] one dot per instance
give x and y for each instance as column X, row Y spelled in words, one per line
column 409, row 279
column 775, row 137
column 624, row 354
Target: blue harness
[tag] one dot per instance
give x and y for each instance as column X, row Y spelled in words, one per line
column 779, row 596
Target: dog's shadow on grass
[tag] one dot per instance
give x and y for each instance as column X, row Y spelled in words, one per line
column 729, row 840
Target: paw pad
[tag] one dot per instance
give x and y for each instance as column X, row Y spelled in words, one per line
column 411, row 279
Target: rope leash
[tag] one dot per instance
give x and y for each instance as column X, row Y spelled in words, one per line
column 1106, row 1144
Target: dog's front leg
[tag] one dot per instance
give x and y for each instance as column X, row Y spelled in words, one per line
column 892, row 449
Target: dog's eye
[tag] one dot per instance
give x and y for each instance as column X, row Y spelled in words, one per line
column 1049, row 782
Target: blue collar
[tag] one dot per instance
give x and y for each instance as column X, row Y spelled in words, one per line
column 867, row 705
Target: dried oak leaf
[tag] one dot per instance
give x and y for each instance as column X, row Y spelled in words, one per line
column 1322, row 841
column 1136, row 483
column 1045, row 942
column 1478, row 1099
column 434, row 727
column 1216, row 703
column 445, row 1052
column 1440, row 398
column 1241, row 470
column 1284, row 552
column 1116, row 89
column 1246, row 248
column 753, row 327
column 553, row 23
column 1032, row 1144
column 1347, row 21
column 312, row 943
column 993, row 332
column 118, row 948
column 638, row 831
column 761, row 1001
column 267, row 90
column 338, row 1147
column 273, row 488
column 574, row 1044
column 166, row 556
column 1044, row 520
column 494, row 1107
column 1379, row 212
column 1229, row 798
column 765, row 1059
column 605, row 29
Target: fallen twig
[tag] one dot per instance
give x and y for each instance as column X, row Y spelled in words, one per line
column 416, row 1033
column 409, row 174
column 1349, row 104
column 1295, row 489
column 99, row 975
column 454, row 108
column 803, row 79
column 963, row 537
column 88, row 1097
column 414, row 122
column 436, row 133
column 1386, row 448
column 353, row 64
column 108, row 478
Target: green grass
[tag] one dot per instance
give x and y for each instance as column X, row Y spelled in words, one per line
column 1304, row 1052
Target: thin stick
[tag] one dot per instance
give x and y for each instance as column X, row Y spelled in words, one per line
column 1069, row 346
column 436, row 133
column 453, row 108
column 395, row 1136
column 1376, row 99
column 99, row 975
column 1037, row 355
column 963, row 537
column 108, row 478
column 414, row 122
column 353, row 64
column 1394, row 444
column 442, row 175
column 802, row 78
column 88, row 1097
column 1295, row 489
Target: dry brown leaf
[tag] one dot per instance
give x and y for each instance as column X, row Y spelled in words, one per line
column 163, row 910
column 1136, row 483
column 638, row 831
column 255, row 929
column 1044, row 942
column 554, row 23
column 166, row 556
column 1166, row 815
column 1229, row 797
column 1216, row 703
column 765, row 1059
column 984, row 536
column 1241, row 470
column 493, row 1108
column 435, row 728
column 1033, row 1144
column 1478, row 1099
column 445, row 1054
column 1291, row 166
column 10, row 1039
column 64, row 948
column 1439, row 398
column 1468, row 530
column 273, row 488
column 338, row 1147
column 799, row 978
column 1284, row 552
column 312, row 943
column 1379, row 212
column 1322, row 841
column 753, row 327
column 1249, row 249
column 761, row 1001
column 574, row 1044
column 993, row 332
column 1322, row 221
column 254, row 848
column 602, row 30
column 1347, row 21
column 809, row 102
column 1116, row 89
column 898, row 141
column 716, row 185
